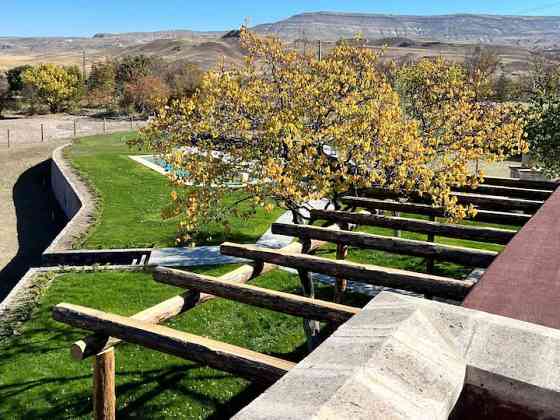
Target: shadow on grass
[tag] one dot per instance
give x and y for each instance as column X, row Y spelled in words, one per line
column 39, row 220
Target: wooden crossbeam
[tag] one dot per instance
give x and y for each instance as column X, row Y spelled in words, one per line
column 98, row 343
column 514, row 192
column 215, row 354
column 521, row 183
column 427, row 210
column 473, row 233
column 481, row 201
column 257, row 296
column 465, row 256
column 498, row 203
column 370, row 274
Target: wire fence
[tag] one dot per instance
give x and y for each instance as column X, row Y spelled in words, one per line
column 25, row 131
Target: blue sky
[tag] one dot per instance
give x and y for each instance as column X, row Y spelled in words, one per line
column 84, row 18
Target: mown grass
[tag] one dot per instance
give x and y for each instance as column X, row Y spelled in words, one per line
column 132, row 196
column 38, row 380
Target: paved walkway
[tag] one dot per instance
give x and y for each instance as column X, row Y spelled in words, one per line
column 210, row 255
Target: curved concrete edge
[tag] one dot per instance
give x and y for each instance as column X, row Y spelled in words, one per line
column 403, row 357
column 75, row 199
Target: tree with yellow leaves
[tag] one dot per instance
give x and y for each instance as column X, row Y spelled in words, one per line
column 53, row 85
column 285, row 128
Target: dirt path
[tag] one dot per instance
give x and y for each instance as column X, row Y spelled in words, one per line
column 29, row 216
column 27, row 224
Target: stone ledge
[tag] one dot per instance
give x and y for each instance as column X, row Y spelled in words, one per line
column 408, row 358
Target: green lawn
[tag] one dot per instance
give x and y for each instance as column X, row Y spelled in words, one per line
column 132, row 196
column 38, row 380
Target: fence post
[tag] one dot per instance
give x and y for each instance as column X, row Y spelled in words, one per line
column 75, row 128
column 104, row 399
column 42, row 133
column 104, row 125
column 132, row 122
column 320, row 52
column 8, row 138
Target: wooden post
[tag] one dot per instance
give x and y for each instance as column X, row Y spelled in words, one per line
column 430, row 261
column 104, row 125
column 320, row 54
column 42, row 133
column 131, row 122
column 341, row 283
column 75, row 128
column 397, row 231
column 8, row 138
column 104, row 399
column 310, row 326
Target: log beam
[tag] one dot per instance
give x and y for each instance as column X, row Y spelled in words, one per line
column 428, row 210
column 473, row 233
column 513, row 192
column 97, row 343
column 521, row 183
column 465, row 256
column 370, row 274
column 484, row 202
column 215, row 354
column 257, row 296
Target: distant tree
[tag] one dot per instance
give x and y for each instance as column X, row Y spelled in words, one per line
column 52, row 85
column 505, row 88
column 145, row 94
column 101, row 83
column 80, row 84
column 543, row 79
column 182, row 77
column 481, row 65
column 14, row 78
column 4, row 92
column 130, row 69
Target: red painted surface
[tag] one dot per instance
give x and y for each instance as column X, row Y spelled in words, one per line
column 523, row 282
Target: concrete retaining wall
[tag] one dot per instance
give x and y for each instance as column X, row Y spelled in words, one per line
column 75, row 200
column 62, row 187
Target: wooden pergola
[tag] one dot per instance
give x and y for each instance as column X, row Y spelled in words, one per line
column 499, row 201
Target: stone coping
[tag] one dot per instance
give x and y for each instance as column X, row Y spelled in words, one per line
column 403, row 357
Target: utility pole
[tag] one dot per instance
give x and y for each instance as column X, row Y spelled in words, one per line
column 84, row 65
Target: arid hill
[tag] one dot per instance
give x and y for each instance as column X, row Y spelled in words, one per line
column 515, row 38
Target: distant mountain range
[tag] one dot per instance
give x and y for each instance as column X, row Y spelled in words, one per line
column 523, row 31
column 450, row 35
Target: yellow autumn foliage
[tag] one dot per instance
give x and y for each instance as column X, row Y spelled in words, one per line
column 287, row 128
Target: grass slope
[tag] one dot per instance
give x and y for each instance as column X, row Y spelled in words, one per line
column 131, row 197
